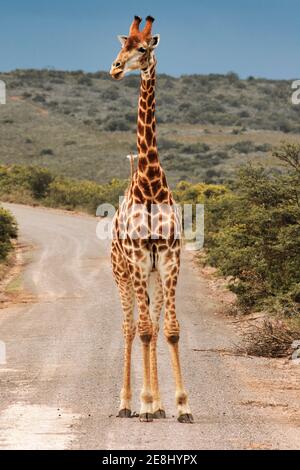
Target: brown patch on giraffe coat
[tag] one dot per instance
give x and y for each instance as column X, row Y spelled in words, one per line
column 173, row 339
column 174, row 271
column 130, row 267
column 162, row 195
column 139, row 254
column 143, row 146
column 141, row 128
column 155, row 185
column 150, row 98
column 143, row 162
column 138, row 194
column 143, row 104
column 149, row 135
column 146, row 189
column 152, row 156
column 149, row 116
column 162, row 247
column 153, row 172
column 146, row 339
column 142, row 115
column 143, row 180
column 137, row 275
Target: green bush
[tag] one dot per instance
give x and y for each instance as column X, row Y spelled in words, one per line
column 29, row 184
column 114, row 125
column 253, row 233
column 39, row 180
column 8, row 230
column 32, row 179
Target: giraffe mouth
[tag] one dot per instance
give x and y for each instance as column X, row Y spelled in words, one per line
column 118, row 75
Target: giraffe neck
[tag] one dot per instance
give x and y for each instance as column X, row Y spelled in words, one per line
column 150, row 183
column 146, row 130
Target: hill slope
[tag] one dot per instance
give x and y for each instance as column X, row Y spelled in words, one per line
column 83, row 125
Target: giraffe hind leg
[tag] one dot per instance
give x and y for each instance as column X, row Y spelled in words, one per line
column 126, row 292
column 140, row 274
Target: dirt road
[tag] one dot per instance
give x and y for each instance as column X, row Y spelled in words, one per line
column 60, row 384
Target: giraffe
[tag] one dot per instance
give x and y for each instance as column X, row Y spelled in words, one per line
column 146, row 247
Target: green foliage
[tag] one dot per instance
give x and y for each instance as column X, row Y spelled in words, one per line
column 8, row 231
column 33, row 180
column 72, row 194
column 253, row 234
column 39, row 181
column 187, row 193
column 30, row 184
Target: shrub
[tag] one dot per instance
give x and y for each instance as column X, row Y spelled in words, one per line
column 253, row 233
column 110, row 94
column 118, row 124
column 39, row 181
column 8, row 231
column 29, row 184
column 85, row 80
column 244, row 146
column 39, row 99
column 46, row 152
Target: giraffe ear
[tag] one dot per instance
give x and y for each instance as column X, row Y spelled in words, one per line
column 122, row 39
column 154, row 41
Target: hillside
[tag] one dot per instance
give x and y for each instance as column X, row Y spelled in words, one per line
column 83, row 125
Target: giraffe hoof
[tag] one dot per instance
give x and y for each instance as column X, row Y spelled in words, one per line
column 125, row 413
column 186, row 418
column 146, row 417
column 159, row 414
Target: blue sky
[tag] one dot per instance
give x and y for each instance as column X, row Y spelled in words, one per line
column 250, row 37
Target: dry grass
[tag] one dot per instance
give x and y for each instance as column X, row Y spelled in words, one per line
column 271, row 338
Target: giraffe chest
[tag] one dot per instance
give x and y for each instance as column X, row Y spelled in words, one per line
column 141, row 228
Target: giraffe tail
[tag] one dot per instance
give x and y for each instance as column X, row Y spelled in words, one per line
column 131, row 157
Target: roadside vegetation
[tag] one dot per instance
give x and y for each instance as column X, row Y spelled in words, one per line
column 8, row 233
column 38, row 186
column 253, row 238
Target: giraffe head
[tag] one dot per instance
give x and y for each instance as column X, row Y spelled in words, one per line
column 137, row 49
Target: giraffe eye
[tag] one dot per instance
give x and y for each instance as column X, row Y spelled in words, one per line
column 141, row 49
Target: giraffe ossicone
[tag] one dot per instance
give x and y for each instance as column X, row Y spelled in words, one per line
column 146, row 267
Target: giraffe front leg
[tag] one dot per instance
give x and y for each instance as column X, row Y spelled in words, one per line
column 125, row 396
column 156, row 303
column 140, row 276
column 169, row 275
column 158, row 409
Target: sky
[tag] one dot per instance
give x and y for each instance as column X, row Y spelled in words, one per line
column 250, row 37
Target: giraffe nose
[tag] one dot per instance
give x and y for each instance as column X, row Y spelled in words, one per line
column 117, row 70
